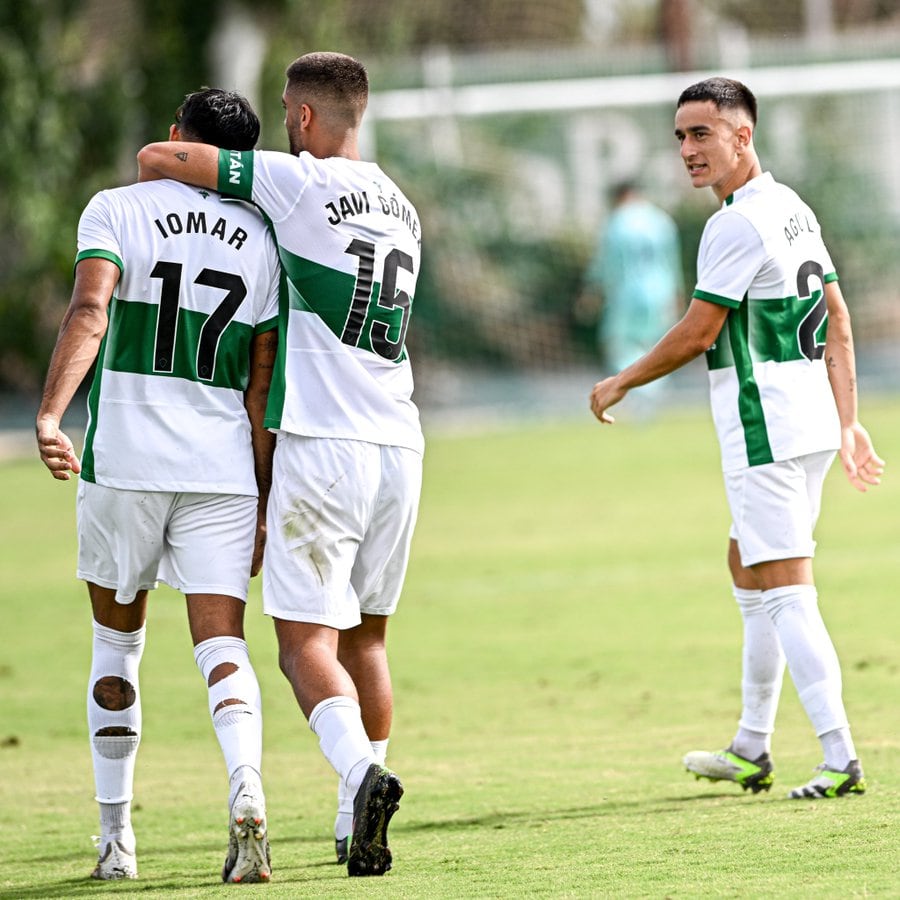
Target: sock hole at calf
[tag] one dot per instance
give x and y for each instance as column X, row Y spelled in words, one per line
column 114, row 693
column 220, row 673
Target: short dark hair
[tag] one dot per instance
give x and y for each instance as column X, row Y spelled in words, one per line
column 338, row 81
column 725, row 93
column 223, row 118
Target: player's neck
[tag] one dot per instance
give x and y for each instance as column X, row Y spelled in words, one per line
column 750, row 169
column 345, row 146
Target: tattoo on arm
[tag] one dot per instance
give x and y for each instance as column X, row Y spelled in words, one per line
column 182, row 155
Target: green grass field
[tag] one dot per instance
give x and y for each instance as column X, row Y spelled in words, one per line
column 566, row 634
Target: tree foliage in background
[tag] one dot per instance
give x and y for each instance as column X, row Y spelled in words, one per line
column 75, row 106
column 781, row 17
column 53, row 159
column 84, row 83
column 170, row 57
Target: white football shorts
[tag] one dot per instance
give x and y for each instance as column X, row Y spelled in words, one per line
column 774, row 507
column 341, row 517
column 197, row 543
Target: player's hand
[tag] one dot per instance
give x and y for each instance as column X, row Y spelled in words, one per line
column 606, row 393
column 56, row 450
column 862, row 465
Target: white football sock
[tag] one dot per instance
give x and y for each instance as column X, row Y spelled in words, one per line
column 342, row 738
column 238, row 726
column 838, row 748
column 812, row 661
column 761, row 678
column 114, row 703
column 379, row 748
column 343, row 822
column 115, row 825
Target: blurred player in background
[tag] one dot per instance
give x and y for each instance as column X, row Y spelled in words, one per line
column 348, row 462
column 176, row 297
column 635, row 273
column 769, row 313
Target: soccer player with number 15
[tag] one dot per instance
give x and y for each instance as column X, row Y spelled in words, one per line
column 348, row 463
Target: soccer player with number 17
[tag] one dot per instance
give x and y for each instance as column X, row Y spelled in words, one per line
column 176, row 297
column 769, row 313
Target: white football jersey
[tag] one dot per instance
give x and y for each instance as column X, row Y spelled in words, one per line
column 762, row 255
column 349, row 243
column 199, row 278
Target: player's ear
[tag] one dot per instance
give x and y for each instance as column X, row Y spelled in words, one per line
column 744, row 136
column 174, row 133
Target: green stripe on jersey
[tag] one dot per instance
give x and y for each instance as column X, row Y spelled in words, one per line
column 749, row 404
column 267, row 325
column 335, row 292
column 87, row 456
column 130, row 346
column 716, row 298
column 773, row 331
column 100, row 254
column 275, row 400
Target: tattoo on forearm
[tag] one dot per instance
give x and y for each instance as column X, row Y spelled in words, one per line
column 182, row 155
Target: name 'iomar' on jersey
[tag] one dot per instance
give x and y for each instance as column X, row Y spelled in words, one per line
column 191, row 222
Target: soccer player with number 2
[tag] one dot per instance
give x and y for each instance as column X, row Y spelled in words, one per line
column 769, row 314
column 348, row 463
column 176, row 297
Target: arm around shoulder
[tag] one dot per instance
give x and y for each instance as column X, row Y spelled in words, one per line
column 184, row 161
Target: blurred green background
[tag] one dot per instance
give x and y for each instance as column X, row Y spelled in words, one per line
column 505, row 122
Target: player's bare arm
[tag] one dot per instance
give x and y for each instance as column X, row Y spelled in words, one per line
column 694, row 334
column 184, row 161
column 262, row 363
column 861, row 463
column 77, row 345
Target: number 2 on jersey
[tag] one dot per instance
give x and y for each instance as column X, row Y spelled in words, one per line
column 807, row 332
column 389, row 298
column 216, row 323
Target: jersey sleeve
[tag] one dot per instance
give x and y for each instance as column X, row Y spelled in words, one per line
column 96, row 233
column 731, row 254
column 828, row 265
column 273, row 181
